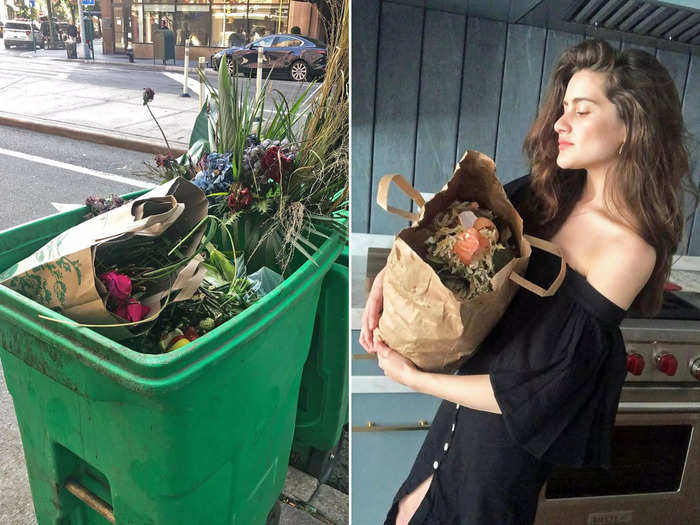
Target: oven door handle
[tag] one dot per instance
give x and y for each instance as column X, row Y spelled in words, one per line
column 643, row 408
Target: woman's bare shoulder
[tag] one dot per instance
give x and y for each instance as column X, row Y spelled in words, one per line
column 622, row 266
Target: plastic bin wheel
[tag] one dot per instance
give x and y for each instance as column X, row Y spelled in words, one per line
column 273, row 518
column 321, row 463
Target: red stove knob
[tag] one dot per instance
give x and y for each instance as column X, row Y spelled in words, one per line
column 695, row 368
column 667, row 364
column 635, row 363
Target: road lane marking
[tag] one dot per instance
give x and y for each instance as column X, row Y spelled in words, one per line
column 77, row 169
column 180, row 80
column 60, row 207
column 11, row 83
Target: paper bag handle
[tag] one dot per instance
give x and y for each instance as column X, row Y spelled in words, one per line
column 549, row 247
column 403, row 184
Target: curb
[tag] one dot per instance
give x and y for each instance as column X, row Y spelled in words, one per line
column 150, row 67
column 80, row 133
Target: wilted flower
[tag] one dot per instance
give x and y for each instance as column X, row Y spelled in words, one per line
column 118, row 285
column 239, row 198
column 99, row 205
column 275, row 163
column 164, row 161
column 218, row 175
column 148, row 95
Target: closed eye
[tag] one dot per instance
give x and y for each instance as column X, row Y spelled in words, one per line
column 582, row 112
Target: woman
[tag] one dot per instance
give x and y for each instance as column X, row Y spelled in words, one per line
column 607, row 164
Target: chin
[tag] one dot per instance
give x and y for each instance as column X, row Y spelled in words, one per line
column 563, row 163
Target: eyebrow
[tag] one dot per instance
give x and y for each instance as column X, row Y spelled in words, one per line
column 579, row 99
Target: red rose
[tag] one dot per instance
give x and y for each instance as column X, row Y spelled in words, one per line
column 118, row 285
column 274, row 164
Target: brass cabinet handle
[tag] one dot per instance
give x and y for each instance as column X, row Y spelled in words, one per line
column 371, row 426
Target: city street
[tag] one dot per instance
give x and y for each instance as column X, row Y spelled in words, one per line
column 107, row 96
column 37, row 170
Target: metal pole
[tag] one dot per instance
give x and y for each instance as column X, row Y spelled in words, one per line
column 279, row 18
column 185, row 93
column 258, row 84
column 32, row 28
column 52, row 33
column 202, row 67
column 83, row 39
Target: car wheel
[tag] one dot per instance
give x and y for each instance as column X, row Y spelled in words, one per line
column 230, row 67
column 7, row 46
column 299, row 71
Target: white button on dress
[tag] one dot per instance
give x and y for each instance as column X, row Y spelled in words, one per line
column 435, row 465
column 446, row 446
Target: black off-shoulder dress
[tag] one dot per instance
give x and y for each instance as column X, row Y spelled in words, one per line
column 556, row 365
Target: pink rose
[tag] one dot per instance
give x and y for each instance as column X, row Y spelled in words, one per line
column 118, row 285
column 132, row 311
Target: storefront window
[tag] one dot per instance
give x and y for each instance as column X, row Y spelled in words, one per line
column 137, row 22
column 267, row 18
column 193, row 22
column 229, row 25
column 234, row 23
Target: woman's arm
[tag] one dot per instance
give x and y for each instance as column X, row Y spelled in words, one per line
column 473, row 391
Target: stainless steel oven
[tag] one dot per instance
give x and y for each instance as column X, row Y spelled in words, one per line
column 654, row 477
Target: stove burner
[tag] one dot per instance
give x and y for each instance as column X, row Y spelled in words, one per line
column 673, row 307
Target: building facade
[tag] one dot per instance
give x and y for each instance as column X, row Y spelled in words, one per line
column 210, row 25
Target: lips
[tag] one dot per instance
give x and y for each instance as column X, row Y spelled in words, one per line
column 563, row 144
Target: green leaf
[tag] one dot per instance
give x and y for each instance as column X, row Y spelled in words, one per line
column 200, row 131
column 195, row 153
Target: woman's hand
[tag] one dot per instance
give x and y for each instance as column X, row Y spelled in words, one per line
column 396, row 367
column 370, row 316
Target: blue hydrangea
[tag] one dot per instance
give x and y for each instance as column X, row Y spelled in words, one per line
column 218, row 176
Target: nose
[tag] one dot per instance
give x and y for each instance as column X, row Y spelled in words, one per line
column 562, row 125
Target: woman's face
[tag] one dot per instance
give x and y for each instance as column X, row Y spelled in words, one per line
column 590, row 130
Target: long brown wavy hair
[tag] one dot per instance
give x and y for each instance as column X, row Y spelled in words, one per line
column 652, row 170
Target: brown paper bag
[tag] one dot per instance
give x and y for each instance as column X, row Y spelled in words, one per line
column 422, row 319
column 61, row 274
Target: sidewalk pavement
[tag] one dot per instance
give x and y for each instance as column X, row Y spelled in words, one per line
column 123, row 123
column 121, row 120
column 119, row 60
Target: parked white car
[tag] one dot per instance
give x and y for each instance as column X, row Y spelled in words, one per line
column 19, row 33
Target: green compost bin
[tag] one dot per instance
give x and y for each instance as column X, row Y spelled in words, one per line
column 198, row 436
column 323, row 398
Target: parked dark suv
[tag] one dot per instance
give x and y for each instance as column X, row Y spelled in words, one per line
column 301, row 57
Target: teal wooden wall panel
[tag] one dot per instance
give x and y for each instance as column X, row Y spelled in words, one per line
column 691, row 116
column 438, row 105
column 629, row 45
column 481, row 86
column 610, row 37
column 381, row 461
column 521, row 87
column 557, row 42
column 398, row 83
column 677, row 65
column 362, row 367
column 365, row 30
